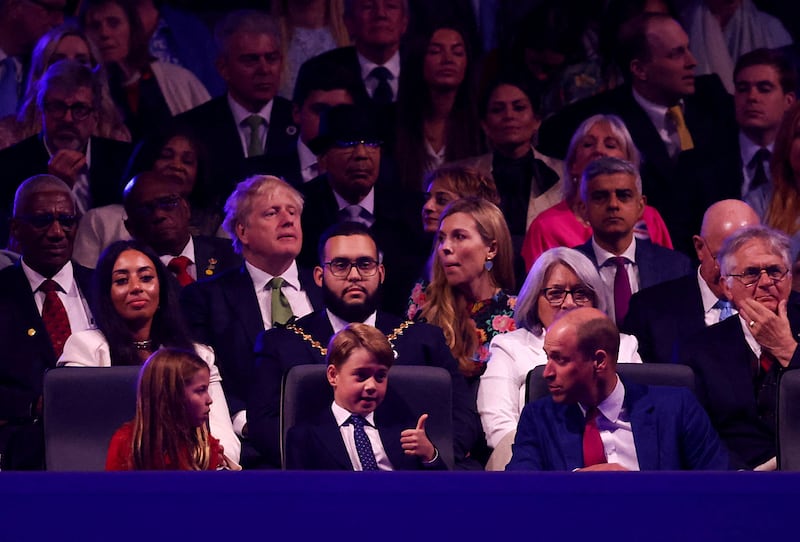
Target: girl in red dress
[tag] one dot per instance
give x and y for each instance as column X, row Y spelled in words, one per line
column 170, row 429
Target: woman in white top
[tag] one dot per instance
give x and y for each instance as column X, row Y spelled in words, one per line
column 137, row 313
column 562, row 279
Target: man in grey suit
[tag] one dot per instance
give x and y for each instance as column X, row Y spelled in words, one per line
column 612, row 203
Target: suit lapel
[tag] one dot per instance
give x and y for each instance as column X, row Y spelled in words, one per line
column 332, row 441
column 311, row 289
column 20, row 288
column 240, row 296
column 648, row 267
column 644, row 426
column 569, row 422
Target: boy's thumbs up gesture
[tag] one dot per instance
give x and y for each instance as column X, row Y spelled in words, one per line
column 415, row 441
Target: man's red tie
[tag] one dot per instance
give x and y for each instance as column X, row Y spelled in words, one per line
column 593, row 451
column 54, row 316
column 766, row 360
column 178, row 266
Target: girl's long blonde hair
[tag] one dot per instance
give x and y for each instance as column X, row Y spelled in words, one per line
column 163, row 437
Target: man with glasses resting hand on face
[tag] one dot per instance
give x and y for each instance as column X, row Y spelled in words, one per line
column 351, row 276
column 68, row 98
column 738, row 361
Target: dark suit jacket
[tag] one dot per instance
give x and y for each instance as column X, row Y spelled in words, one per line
column 279, row 349
column 661, row 315
column 681, row 189
column 345, row 61
column 27, row 351
column 670, row 431
column 319, row 445
column 654, row 263
column 722, row 361
column 213, row 124
column 397, row 230
column 29, row 157
column 214, row 255
column 223, row 313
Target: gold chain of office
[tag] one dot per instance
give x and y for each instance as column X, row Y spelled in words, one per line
column 396, row 332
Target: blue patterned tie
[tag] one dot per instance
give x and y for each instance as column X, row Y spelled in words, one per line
column 725, row 309
column 363, row 445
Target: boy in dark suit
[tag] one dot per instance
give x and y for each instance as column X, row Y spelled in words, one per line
column 352, row 435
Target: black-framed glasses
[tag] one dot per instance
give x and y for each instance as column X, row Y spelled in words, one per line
column 340, row 267
column 44, row 221
column 353, row 143
column 751, row 275
column 58, row 109
column 580, row 295
column 166, row 204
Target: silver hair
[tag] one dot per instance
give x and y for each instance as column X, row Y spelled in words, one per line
column 619, row 130
column 69, row 76
column 246, row 21
column 777, row 243
column 608, row 166
column 240, row 203
column 526, row 312
column 41, row 183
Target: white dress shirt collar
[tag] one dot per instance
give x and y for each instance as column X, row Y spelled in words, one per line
column 602, row 255
column 393, row 65
column 240, row 113
column 611, row 406
column 64, row 278
column 339, row 324
column 188, row 251
column 309, row 165
column 342, row 415
column 368, row 203
column 260, row 277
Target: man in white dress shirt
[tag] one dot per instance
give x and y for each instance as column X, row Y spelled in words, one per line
column 228, row 311
column 42, row 301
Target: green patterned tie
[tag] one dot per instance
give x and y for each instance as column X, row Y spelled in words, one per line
column 254, row 146
column 281, row 310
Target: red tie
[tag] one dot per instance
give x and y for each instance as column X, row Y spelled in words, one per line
column 766, row 360
column 54, row 316
column 593, row 451
column 178, row 266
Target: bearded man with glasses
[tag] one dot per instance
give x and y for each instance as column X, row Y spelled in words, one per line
column 351, row 275
column 68, row 98
column 738, row 361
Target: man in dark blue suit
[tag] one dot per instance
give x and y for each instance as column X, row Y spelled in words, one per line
column 248, row 130
column 738, row 362
column 661, row 315
column 44, row 225
column 662, row 102
column 350, row 275
column 612, row 203
column 230, row 310
column 595, row 421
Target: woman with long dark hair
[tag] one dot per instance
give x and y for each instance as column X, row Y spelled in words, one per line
column 136, row 312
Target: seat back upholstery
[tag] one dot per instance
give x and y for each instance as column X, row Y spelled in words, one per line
column 647, row 374
column 788, row 421
column 306, row 393
column 83, row 407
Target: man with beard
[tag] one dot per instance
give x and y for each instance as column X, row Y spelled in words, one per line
column 68, row 99
column 350, row 274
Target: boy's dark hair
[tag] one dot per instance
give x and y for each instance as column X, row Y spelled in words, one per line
column 357, row 335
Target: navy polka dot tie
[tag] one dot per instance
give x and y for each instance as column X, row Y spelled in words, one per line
column 363, row 445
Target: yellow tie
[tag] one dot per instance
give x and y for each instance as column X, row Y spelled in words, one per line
column 676, row 114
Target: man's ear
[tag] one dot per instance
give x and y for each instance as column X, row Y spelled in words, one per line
column 381, row 273
column 296, row 113
column 638, row 71
column 726, row 289
column 699, row 244
column 601, row 360
column 318, row 272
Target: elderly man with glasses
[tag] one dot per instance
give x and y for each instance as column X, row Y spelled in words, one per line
column 351, row 274
column 738, row 361
column 68, row 98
